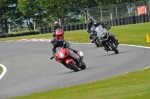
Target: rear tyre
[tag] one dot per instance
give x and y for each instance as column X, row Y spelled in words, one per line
column 73, row 67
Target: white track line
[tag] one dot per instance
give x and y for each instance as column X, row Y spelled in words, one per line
column 147, row 67
column 3, row 72
column 136, row 46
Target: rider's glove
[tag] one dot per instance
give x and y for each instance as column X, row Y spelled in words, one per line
column 64, row 44
column 89, row 31
column 108, row 27
column 54, row 35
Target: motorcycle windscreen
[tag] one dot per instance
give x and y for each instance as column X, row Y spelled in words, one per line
column 59, row 32
column 100, row 30
column 61, row 53
column 58, row 49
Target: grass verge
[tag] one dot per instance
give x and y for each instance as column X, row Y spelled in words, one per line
column 135, row 85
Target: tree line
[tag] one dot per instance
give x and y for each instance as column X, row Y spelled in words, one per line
column 24, row 13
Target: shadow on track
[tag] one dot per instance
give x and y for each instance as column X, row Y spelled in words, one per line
column 88, row 68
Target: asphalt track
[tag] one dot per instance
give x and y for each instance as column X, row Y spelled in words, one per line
column 30, row 70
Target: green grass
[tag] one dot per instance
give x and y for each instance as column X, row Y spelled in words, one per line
column 135, row 85
column 132, row 34
column 1, row 69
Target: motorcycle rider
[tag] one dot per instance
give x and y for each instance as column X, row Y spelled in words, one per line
column 89, row 29
column 56, row 43
column 104, row 25
column 56, row 26
column 91, row 26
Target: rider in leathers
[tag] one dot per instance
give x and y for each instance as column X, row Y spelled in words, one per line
column 91, row 26
column 56, row 43
column 56, row 26
column 104, row 25
column 89, row 29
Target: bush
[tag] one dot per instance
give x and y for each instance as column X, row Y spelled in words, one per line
column 19, row 34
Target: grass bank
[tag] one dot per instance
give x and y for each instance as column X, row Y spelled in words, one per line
column 135, row 85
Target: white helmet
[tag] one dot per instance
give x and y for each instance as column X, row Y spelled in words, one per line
column 56, row 23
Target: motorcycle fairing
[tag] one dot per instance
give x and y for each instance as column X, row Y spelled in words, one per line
column 68, row 60
column 74, row 55
column 59, row 34
column 100, row 31
column 61, row 53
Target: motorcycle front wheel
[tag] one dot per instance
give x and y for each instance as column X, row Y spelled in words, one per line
column 97, row 42
column 113, row 48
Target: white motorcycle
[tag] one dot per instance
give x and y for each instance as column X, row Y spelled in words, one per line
column 106, row 39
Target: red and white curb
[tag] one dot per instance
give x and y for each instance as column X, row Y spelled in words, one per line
column 31, row 40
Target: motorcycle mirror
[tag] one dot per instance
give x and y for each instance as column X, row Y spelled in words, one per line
column 81, row 53
column 108, row 28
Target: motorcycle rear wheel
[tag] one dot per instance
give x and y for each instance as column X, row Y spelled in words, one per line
column 73, row 67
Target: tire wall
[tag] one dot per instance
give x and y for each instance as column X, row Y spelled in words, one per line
column 115, row 22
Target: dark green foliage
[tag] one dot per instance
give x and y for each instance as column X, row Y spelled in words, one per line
column 19, row 34
column 21, row 13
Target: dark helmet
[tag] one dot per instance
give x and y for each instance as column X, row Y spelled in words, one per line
column 96, row 24
column 56, row 23
column 90, row 20
column 54, row 41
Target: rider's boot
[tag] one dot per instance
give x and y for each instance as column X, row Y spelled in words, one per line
column 92, row 41
column 91, row 38
column 79, row 61
column 117, row 42
column 106, row 49
column 100, row 44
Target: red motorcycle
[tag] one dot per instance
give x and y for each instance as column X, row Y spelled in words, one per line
column 69, row 59
column 59, row 34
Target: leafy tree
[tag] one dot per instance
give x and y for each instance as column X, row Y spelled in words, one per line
column 45, row 12
column 59, row 9
column 9, row 15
